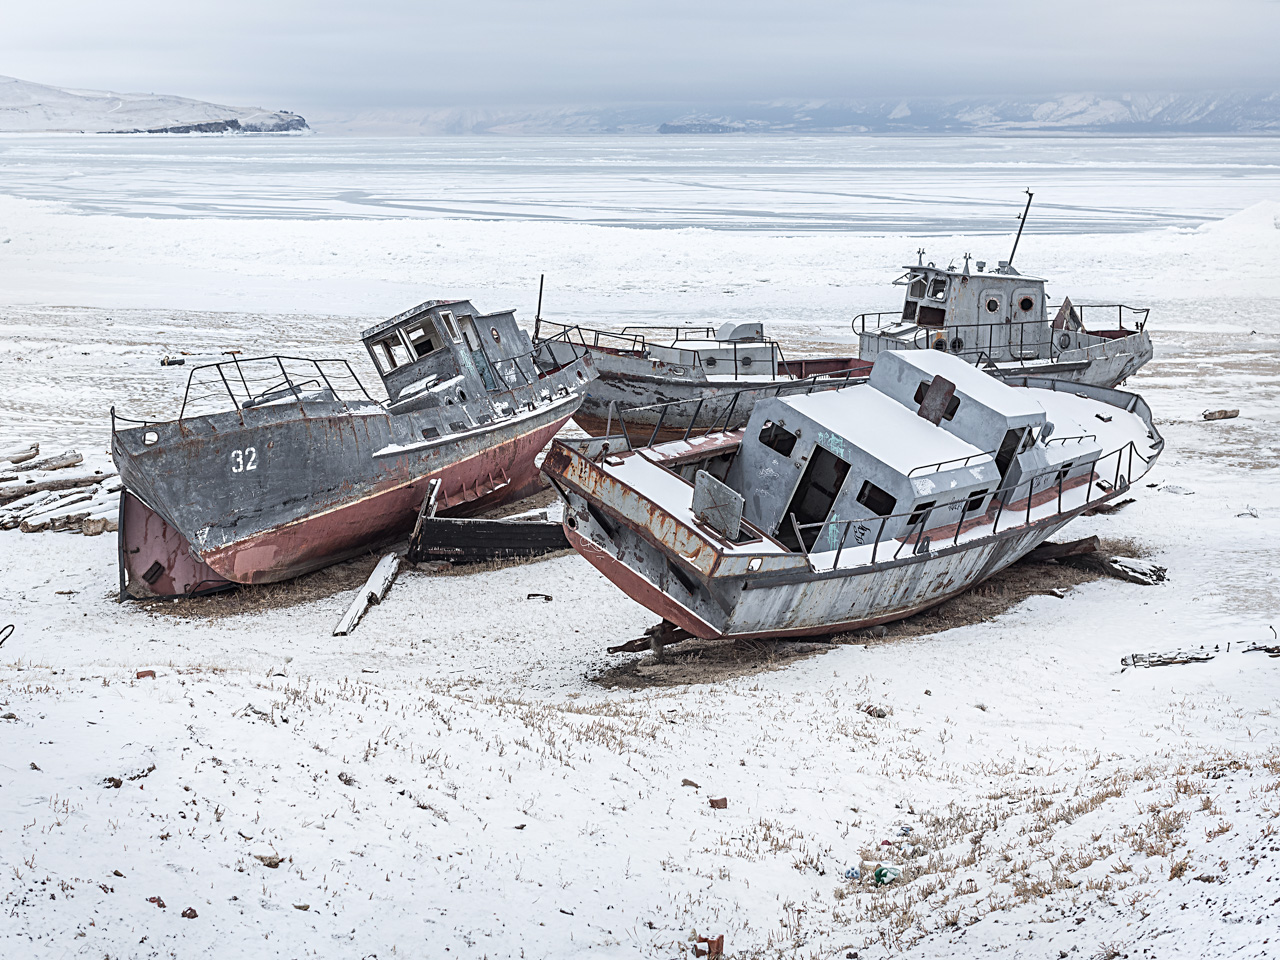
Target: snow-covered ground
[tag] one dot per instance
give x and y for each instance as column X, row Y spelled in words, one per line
column 451, row 780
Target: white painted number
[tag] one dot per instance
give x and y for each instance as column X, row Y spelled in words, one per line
column 242, row 460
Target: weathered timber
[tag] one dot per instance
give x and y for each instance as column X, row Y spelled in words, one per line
column 1142, row 572
column 1055, row 551
column 465, row 540
column 61, row 461
column 370, row 594
column 20, row 453
column 1109, row 508
column 1221, row 414
column 12, row 491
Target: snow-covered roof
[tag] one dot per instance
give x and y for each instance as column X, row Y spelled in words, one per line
column 969, row 380
column 885, row 429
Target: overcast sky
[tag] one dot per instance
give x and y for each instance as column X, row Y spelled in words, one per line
column 324, row 54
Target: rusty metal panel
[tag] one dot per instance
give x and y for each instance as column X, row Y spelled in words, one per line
column 717, row 505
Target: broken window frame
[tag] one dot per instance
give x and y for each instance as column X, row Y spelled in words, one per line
column 386, row 356
column 870, row 491
column 450, row 326
column 783, row 445
column 429, row 334
column 938, row 289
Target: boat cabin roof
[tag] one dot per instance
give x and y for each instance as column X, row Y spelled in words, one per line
column 879, row 426
column 409, row 314
column 904, row 366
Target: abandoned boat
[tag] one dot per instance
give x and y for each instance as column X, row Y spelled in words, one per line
column 296, row 466
column 1000, row 320
column 849, row 507
column 724, row 370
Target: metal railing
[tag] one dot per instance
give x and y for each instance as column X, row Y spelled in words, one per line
column 720, row 421
column 1003, row 502
column 1139, row 316
column 255, row 381
column 628, row 341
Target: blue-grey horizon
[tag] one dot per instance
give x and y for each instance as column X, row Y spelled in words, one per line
column 388, row 54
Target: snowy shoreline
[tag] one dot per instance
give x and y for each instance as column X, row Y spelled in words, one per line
column 451, row 776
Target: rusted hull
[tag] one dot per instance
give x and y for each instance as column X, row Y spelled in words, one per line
column 270, row 493
column 726, row 403
column 778, row 607
column 381, row 518
column 156, row 560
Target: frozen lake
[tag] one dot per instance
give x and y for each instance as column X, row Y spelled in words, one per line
column 863, row 184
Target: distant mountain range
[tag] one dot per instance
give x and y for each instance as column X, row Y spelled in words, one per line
column 1209, row 113
column 32, row 108
column 36, row 108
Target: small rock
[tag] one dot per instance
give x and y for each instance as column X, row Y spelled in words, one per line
column 928, row 693
column 718, row 803
column 686, row 782
column 190, row 913
column 269, row 860
column 116, row 782
column 146, row 675
column 9, row 716
column 34, row 767
column 157, row 901
column 302, row 906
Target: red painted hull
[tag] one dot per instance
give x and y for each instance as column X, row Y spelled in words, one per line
column 385, row 516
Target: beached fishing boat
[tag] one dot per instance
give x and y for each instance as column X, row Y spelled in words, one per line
column 1001, row 321
column 276, row 466
column 849, row 507
column 722, row 370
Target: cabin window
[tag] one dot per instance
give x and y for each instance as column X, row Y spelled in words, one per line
column 992, row 305
column 974, row 503
column 953, row 404
column 421, row 339
column 391, row 352
column 909, row 310
column 878, row 501
column 931, row 316
column 1026, row 303
column 450, row 327
column 469, row 334
column 919, row 512
column 916, row 290
column 777, row 437
column 938, row 289
column 814, row 497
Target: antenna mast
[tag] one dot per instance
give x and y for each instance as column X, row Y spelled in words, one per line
column 1022, row 222
column 537, row 319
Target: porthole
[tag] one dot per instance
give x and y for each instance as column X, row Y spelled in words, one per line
column 571, row 522
column 1064, row 340
column 747, row 361
column 709, row 362
column 497, row 337
column 957, row 345
column 940, row 344
column 462, row 397
column 581, row 377
column 150, row 437
column 993, row 305
column 1026, row 303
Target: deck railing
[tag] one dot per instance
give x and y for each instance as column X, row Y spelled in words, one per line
column 718, row 418
column 1109, row 478
column 630, row 341
column 255, row 381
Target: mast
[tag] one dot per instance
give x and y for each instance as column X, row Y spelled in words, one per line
column 1022, row 222
column 537, row 318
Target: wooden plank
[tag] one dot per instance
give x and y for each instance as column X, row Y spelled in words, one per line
column 1055, row 551
column 20, row 453
column 19, row 488
column 68, row 458
column 370, row 594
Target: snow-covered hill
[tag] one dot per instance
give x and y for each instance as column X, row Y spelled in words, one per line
column 27, row 107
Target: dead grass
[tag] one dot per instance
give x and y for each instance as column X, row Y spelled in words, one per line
column 707, row 661
column 994, row 596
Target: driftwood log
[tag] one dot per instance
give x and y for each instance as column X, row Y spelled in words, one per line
column 1056, row 551
column 68, row 458
column 20, row 453
column 21, row 488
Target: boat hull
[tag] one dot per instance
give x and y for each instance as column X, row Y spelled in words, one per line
column 727, row 404
column 270, row 493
